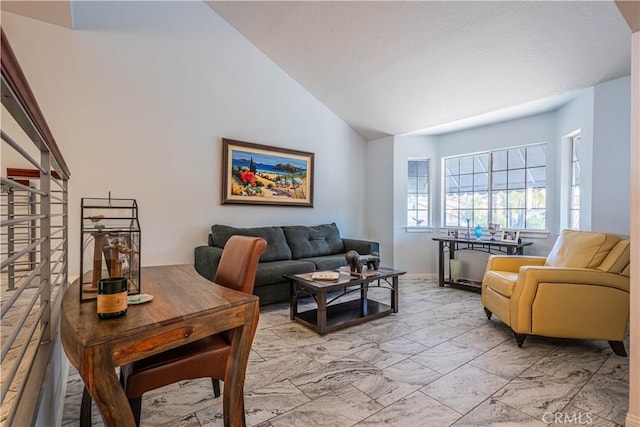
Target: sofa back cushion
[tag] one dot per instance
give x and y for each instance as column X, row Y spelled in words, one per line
column 277, row 248
column 581, row 249
column 618, row 258
column 319, row 240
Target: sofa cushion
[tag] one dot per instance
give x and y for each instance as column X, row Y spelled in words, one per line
column 269, row 273
column 581, row 249
column 328, row 262
column 319, row 240
column 277, row 248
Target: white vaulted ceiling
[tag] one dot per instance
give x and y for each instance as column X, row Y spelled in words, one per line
column 396, row 67
column 389, row 68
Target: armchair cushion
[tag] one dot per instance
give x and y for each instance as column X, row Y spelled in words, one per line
column 626, row 271
column 501, row 282
column 618, row 258
column 581, row 249
column 502, row 271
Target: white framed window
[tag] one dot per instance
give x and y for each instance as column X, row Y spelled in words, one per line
column 505, row 186
column 418, row 192
column 467, row 190
column 574, row 190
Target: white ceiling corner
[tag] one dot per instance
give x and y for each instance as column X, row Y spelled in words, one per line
column 390, row 68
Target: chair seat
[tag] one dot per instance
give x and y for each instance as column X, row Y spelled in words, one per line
column 503, row 282
column 200, row 359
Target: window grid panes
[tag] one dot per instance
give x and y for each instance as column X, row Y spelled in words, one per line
column 418, row 192
column 507, row 187
column 574, row 191
column 467, row 193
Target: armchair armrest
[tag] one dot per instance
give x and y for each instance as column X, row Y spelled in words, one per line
column 513, row 263
column 206, row 260
column 531, row 276
column 363, row 247
column 532, row 288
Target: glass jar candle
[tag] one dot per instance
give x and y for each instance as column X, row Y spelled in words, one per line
column 112, row 297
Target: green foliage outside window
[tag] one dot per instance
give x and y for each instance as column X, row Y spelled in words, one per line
column 507, row 187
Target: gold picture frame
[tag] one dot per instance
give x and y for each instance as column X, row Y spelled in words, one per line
column 258, row 174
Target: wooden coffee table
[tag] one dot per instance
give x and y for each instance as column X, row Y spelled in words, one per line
column 339, row 313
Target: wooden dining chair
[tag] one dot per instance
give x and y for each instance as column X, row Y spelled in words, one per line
column 205, row 358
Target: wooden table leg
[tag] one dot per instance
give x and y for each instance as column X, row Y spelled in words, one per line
column 441, row 263
column 364, row 304
column 394, row 295
column 322, row 312
column 99, row 376
column 293, row 300
column 233, row 395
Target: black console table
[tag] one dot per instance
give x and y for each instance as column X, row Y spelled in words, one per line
column 452, row 245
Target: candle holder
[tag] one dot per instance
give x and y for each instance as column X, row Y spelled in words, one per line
column 112, row 297
column 109, row 244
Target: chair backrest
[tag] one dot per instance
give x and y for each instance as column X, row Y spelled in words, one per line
column 239, row 263
column 588, row 249
column 618, row 260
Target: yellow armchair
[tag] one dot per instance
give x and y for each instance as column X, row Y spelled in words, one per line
column 581, row 290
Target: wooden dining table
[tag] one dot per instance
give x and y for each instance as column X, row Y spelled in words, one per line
column 185, row 307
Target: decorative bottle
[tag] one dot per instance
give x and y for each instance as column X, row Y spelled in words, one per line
column 478, row 231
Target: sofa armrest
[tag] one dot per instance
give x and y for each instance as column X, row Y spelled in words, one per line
column 363, row 247
column 206, row 260
column 512, row 263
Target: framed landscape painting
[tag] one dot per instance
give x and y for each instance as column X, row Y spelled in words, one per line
column 263, row 175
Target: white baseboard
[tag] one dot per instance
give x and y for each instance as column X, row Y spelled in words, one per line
column 419, row 276
column 64, row 378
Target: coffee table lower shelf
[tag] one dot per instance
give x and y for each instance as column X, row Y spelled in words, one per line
column 342, row 315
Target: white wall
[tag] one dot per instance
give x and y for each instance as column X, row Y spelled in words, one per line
column 414, row 250
column 576, row 115
column 379, row 190
column 611, row 150
column 139, row 107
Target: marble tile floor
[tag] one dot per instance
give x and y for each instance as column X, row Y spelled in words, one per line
column 438, row 362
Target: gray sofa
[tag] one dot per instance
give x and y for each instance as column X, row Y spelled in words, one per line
column 290, row 250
